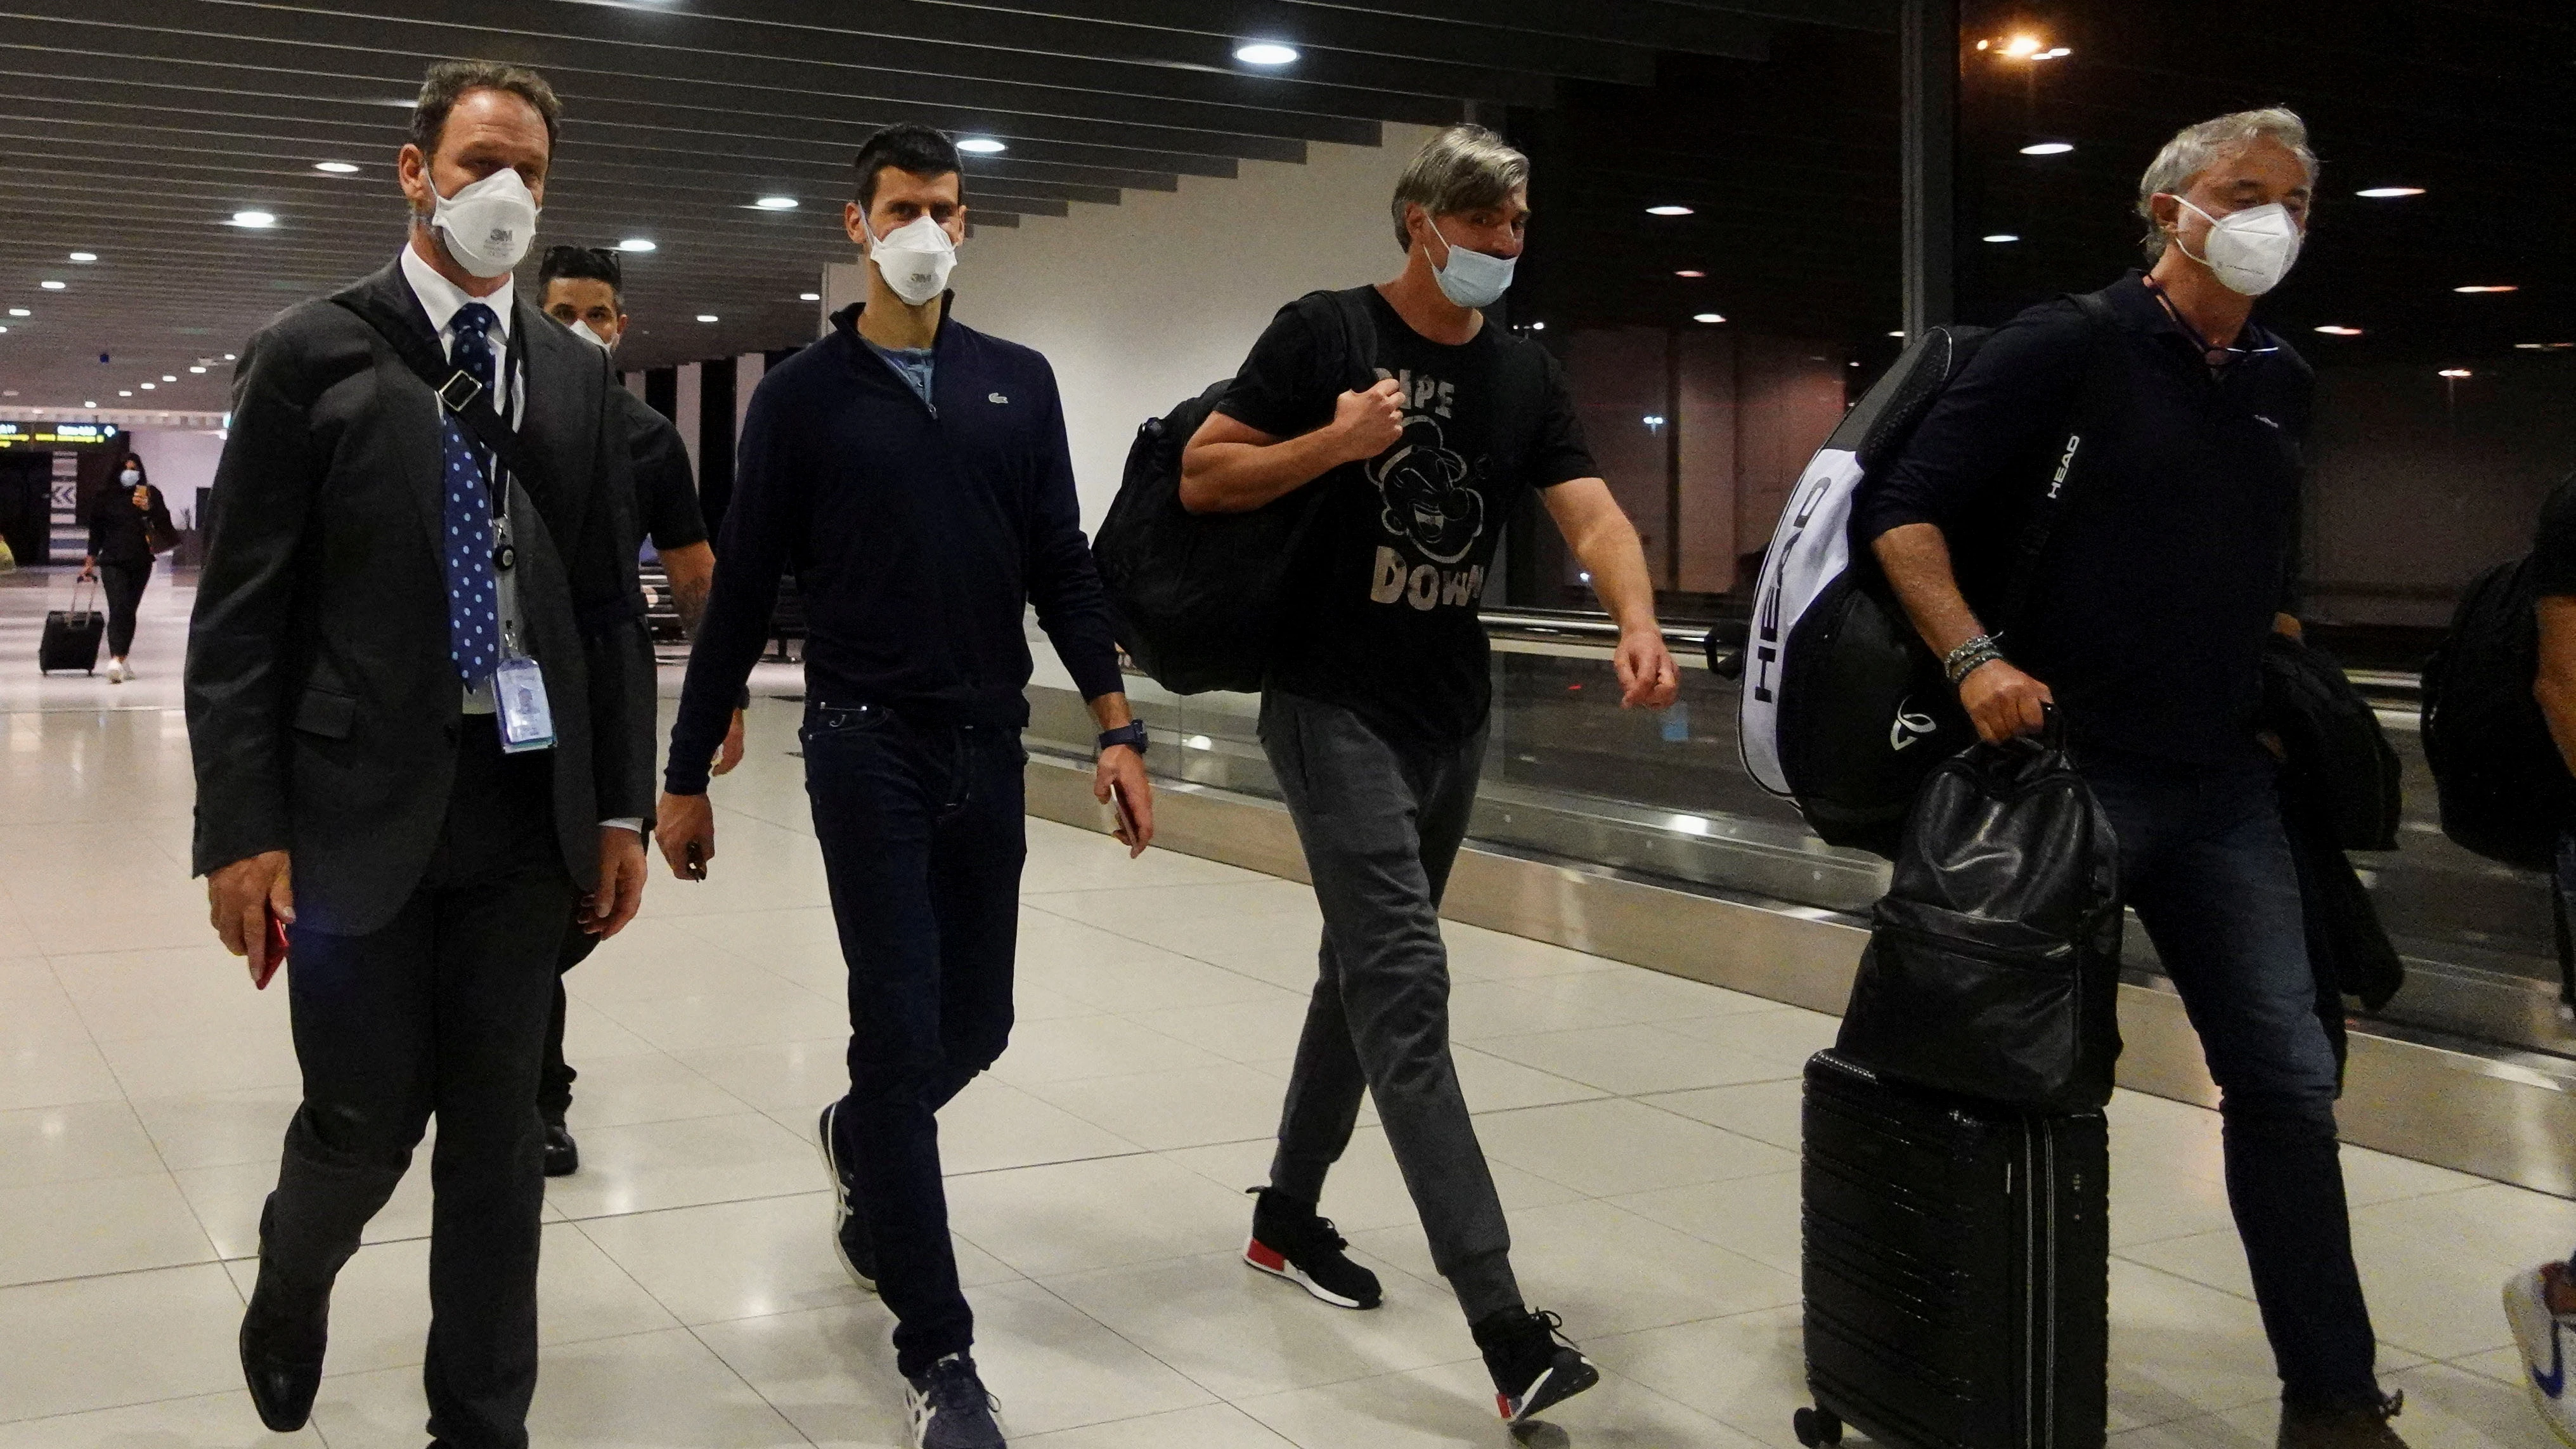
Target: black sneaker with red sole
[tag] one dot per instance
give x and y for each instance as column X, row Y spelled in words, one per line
column 1289, row 1241
column 1534, row 1365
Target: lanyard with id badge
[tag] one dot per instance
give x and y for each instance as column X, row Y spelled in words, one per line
column 527, row 721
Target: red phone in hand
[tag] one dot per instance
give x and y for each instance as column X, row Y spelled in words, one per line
column 276, row 951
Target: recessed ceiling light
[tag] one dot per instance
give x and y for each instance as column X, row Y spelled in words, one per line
column 84, row 256
column 228, row 357
column 2054, row 52
column 254, row 219
column 3, row 329
column 147, row 387
column 20, row 312
column 982, row 146
column 809, row 296
column 2048, row 148
column 776, row 203
column 2023, row 47
column 706, row 316
column 2383, row 193
column 196, row 369
column 336, row 168
column 2001, row 236
column 1668, row 210
column 2500, row 287
column 91, row 403
column 50, row 285
column 2545, row 346
column 166, row 377
column 2334, row 331
column 2454, row 372
column 1706, row 317
column 1265, row 52
column 1896, row 332
column 1690, row 272
column 635, row 244
column 125, row 392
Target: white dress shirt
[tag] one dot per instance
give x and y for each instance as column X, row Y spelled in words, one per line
column 441, row 300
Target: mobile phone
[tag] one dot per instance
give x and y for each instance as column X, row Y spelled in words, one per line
column 1127, row 831
column 276, row 951
column 697, row 855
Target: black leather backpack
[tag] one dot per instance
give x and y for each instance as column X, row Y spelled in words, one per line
column 1993, row 967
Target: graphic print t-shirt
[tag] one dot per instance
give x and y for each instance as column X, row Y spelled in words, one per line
column 1381, row 608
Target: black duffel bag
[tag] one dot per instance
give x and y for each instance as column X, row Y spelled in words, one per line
column 1195, row 597
column 1993, row 967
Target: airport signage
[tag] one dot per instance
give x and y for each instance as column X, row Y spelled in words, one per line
column 57, row 435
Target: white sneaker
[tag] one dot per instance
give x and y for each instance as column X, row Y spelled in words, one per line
column 2542, row 1336
column 116, row 671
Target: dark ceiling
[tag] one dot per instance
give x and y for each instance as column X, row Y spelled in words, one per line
column 134, row 129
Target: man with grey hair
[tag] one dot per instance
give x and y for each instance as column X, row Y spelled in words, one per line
column 2169, row 561
column 1418, row 425
column 420, row 698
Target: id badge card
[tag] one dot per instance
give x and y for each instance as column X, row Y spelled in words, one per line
column 519, row 694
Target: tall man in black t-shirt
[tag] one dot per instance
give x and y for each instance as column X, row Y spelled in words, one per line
column 1374, row 714
column 582, row 288
column 2168, row 564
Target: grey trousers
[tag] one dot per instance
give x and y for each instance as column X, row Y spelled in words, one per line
column 1381, row 827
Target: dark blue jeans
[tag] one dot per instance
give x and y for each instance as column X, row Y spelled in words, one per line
column 922, row 841
column 2204, row 862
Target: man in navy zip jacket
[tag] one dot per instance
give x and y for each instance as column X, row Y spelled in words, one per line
column 914, row 473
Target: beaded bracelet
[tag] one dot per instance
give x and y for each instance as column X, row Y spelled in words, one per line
column 1972, row 656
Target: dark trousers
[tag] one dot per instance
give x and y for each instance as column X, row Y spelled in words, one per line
column 440, row 1012
column 123, row 585
column 1381, row 827
column 2204, row 862
column 555, row 1076
column 922, row 840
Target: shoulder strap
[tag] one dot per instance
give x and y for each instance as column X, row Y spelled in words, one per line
column 1359, row 337
column 2092, row 397
column 459, row 394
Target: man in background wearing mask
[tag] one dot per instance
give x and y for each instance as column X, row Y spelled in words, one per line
column 422, row 677
column 1374, row 712
column 914, row 473
column 2144, row 623
column 583, row 289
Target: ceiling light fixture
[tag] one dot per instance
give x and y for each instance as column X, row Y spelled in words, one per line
column 706, row 316
column 809, row 296
column 1896, row 332
column 1265, row 52
column 2023, row 47
column 2544, row 346
column 2455, row 373
column 2332, row 330
column 84, row 256
column 2001, row 237
column 2048, row 148
column 228, row 357
column 982, row 146
column 1706, row 317
column 167, row 377
column 51, row 285
column 1690, row 272
column 20, row 312
column 149, row 386
column 337, row 168
column 1668, row 209
column 2383, row 193
column 254, row 219
column 125, row 392
column 91, row 403
column 2482, row 290
column 196, row 369
column 776, row 203
column 635, row 244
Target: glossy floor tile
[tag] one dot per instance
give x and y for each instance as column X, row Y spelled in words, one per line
column 1642, row 1132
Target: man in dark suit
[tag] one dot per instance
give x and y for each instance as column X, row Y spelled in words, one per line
column 383, row 602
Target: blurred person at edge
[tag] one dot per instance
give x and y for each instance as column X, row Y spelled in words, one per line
column 373, row 581
column 125, row 519
column 914, row 473
column 1374, row 717
column 584, row 289
column 2145, row 625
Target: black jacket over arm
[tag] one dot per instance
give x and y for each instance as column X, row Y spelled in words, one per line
column 323, row 711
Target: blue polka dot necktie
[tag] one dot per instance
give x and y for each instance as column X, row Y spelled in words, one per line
column 473, row 598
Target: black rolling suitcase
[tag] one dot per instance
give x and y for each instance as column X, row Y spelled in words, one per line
column 1957, row 1268
column 71, row 636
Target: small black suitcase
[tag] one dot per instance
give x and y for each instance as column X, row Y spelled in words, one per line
column 1957, row 1268
column 71, row 637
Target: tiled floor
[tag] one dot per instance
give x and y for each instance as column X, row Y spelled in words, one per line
column 1642, row 1129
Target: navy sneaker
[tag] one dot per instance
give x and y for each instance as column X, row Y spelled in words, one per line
column 851, row 1240
column 1289, row 1241
column 951, row 1408
column 1535, row 1366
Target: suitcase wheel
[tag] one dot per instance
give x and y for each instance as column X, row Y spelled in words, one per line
column 1816, row 1428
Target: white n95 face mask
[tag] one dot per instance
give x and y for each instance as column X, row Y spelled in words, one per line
column 915, row 257
column 129, row 478
column 1471, row 278
column 489, row 224
column 2249, row 250
column 582, row 331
